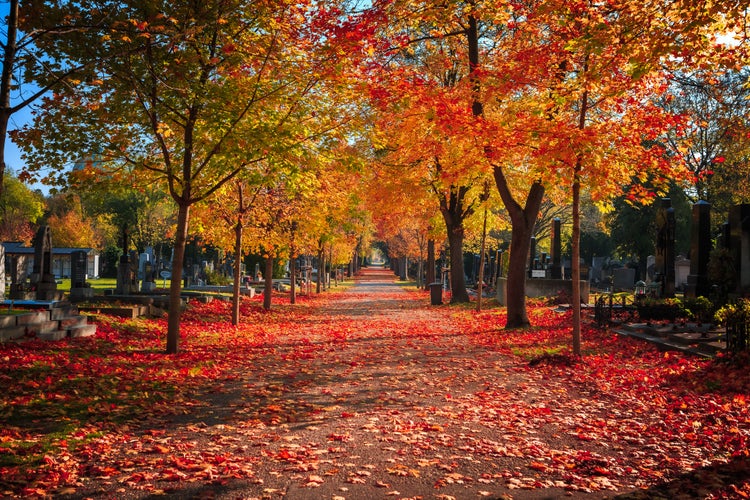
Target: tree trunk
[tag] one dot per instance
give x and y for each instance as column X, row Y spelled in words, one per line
column 293, row 270
column 576, row 243
column 6, row 83
column 430, row 262
column 480, row 288
column 268, row 289
column 175, row 288
column 576, row 264
column 459, row 295
column 237, row 273
column 321, row 268
column 522, row 228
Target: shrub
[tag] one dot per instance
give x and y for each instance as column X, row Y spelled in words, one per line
column 699, row 309
column 660, row 309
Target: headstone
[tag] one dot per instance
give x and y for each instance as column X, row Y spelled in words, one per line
column 556, row 250
column 597, row 268
column 148, row 284
column 79, row 289
column 78, row 265
column 42, row 279
column 700, row 249
column 739, row 244
column 651, row 267
column 127, row 270
column 623, row 279
column 147, row 256
column 681, row 272
column 665, row 248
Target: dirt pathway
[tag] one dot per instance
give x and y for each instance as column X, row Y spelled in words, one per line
column 376, row 395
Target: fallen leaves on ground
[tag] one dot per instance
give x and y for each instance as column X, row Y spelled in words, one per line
column 361, row 394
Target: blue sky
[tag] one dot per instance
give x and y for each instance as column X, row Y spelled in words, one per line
column 17, row 120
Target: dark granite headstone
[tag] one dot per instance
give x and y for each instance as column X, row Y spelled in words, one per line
column 665, row 248
column 78, row 268
column 700, row 249
column 739, row 244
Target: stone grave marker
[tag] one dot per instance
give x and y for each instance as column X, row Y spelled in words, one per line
column 42, row 279
column 700, row 249
column 623, row 279
column 79, row 289
column 665, row 248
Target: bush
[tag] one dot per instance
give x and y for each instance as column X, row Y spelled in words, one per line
column 660, row 309
column 722, row 273
column 699, row 309
column 736, row 318
column 735, row 312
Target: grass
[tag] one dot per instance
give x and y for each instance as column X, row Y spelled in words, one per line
column 101, row 284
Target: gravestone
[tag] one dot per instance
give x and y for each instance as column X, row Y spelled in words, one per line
column 148, row 284
column 651, row 267
column 681, row 272
column 42, row 279
column 739, row 244
column 146, row 262
column 700, row 249
column 127, row 270
column 597, row 269
column 79, row 289
column 556, row 250
column 623, row 279
column 665, row 248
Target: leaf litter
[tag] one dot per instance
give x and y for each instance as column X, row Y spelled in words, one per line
column 368, row 393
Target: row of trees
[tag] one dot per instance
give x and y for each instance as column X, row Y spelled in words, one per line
column 299, row 115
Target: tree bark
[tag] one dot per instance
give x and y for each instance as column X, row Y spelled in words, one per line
column 293, row 269
column 237, row 272
column 175, row 288
column 522, row 228
column 430, row 263
column 480, row 288
column 268, row 289
column 6, row 84
column 459, row 295
column 321, row 268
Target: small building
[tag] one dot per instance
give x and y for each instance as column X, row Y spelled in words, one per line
column 23, row 258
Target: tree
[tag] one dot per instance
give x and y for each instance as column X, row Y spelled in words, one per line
column 190, row 93
column 574, row 81
column 72, row 230
column 19, row 55
column 421, row 94
column 714, row 139
column 20, row 210
column 231, row 206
